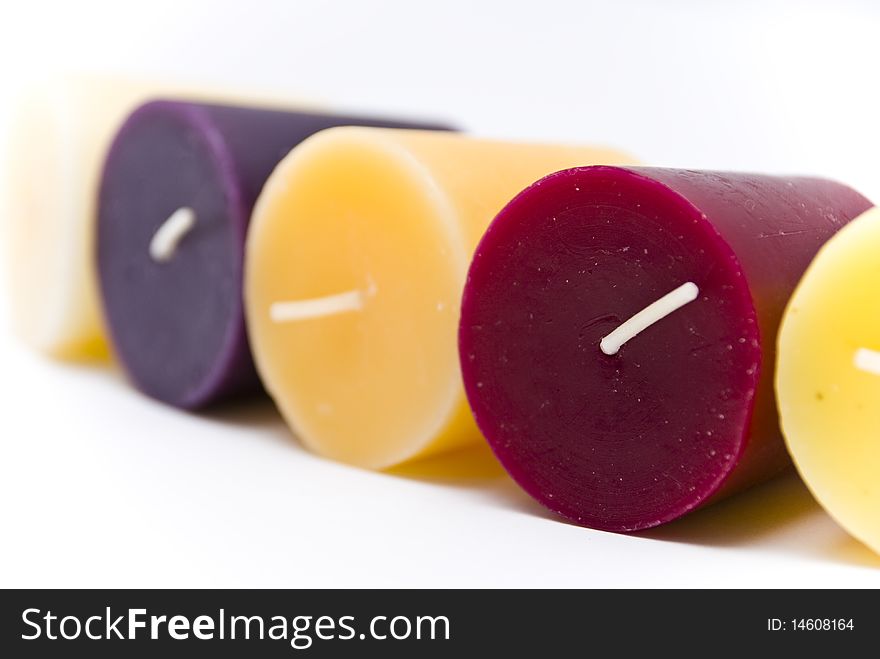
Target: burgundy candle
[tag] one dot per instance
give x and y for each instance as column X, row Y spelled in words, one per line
column 176, row 196
column 618, row 329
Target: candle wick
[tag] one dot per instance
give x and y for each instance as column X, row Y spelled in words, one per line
column 655, row 311
column 170, row 233
column 330, row 305
column 867, row 360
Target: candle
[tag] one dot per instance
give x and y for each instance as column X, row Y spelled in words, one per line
column 355, row 263
column 617, row 334
column 59, row 134
column 828, row 378
column 178, row 187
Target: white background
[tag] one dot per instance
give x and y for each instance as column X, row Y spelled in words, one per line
column 102, row 487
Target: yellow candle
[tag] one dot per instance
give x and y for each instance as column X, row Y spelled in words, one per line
column 828, row 377
column 60, row 132
column 356, row 259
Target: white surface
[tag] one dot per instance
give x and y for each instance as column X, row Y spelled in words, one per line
column 102, row 487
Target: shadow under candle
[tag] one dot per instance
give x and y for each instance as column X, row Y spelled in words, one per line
column 780, row 509
column 474, row 464
column 475, row 468
column 780, row 513
column 258, row 414
column 255, row 411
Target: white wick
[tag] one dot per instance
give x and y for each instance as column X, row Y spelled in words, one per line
column 655, row 311
column 170, row 233
column 283, row 312
column 867, row 360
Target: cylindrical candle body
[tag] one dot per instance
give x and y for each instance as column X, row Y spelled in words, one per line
column 356, row 258
column 178, row 187
column 682, row 410
column 828, row 377
column 59, row 136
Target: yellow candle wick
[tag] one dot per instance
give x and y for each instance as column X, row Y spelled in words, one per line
column 319, row 307
column 867, row 360
column 654, row 312
column 168, row 236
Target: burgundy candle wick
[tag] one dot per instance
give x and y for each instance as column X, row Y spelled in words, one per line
column 651, row 314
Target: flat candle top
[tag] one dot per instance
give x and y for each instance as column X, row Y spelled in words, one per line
column 353, row 273
column 170, row 252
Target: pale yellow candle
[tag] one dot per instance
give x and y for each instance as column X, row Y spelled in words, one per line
column 355, row 264
column 58, row 138
column 828, row 377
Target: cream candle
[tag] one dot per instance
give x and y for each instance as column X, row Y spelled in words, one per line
column 60, row 131
column 828, row 377
column 355, row 263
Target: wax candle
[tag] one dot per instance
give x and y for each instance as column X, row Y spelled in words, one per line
column 828, row 378
column 59, row 133
column 175, row 200
column 617, row 334
column 355, row 262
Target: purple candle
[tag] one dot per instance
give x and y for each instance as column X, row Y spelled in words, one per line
column 618, row 329
column 178, row 187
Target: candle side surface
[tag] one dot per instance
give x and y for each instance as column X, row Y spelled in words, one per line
column 775, row 226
